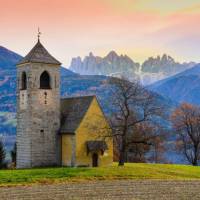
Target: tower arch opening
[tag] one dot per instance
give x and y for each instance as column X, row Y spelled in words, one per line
column 23, row 81
column 45, row 80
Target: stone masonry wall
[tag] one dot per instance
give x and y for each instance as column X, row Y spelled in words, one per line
column 38, row 117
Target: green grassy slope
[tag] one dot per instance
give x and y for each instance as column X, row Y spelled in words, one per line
column 129, row 171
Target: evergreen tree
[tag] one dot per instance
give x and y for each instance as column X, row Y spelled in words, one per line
column 13, row 154
column 2, row 154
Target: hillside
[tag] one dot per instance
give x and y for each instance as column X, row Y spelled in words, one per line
column 138, row 171
column 8, row 58
column 182, row 87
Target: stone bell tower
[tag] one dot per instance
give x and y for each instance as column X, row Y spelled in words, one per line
column 38, row 109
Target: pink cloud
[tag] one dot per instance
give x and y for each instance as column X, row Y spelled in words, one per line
column 75, row 27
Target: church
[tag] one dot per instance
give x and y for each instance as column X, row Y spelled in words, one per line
column 55, row 131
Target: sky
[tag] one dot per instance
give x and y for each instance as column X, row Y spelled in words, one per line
column 71, row 28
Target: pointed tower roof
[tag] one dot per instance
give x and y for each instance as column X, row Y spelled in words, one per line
column 39, row 54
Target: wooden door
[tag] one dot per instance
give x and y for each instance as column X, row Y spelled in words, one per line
column 95, row 160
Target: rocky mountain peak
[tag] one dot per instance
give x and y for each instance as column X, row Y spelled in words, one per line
column 112, row 54
column 163, row 64
column 167, row 59
column 91, row 54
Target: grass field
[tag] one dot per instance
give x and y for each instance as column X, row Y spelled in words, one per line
column 129, row 171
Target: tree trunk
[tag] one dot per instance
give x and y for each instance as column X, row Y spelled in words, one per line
column 121, row 158
column 195, row 161
column 122, row 153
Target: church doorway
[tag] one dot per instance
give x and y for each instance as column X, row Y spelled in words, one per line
column 95, row 160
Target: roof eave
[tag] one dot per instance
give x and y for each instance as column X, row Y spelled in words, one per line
column 67, row 133
column 28, row 62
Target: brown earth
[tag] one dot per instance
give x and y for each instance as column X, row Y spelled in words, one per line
column 118, row 189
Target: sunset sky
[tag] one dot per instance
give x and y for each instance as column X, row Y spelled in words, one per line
column 70, row 28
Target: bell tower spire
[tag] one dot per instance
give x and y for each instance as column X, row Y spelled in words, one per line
column 38, row 108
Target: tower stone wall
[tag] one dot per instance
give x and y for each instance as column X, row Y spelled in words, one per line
column 38, row 116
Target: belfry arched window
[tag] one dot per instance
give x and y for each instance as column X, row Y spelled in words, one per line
column 45, row 80
column 23, row 81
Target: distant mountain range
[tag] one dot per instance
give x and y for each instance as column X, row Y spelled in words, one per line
column 152, row 70
column 182, row 87
column 112, row 64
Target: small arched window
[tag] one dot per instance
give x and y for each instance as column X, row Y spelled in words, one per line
column 45, row 80
column 23, row 81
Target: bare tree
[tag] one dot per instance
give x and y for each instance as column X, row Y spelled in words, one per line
column 134, row 108
column 136, row 152
column 186, row 122
column 158, row 148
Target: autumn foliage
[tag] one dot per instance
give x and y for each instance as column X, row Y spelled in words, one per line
column 186, row 123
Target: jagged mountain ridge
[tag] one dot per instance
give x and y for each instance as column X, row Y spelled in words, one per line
column 112, row 64
column 164, row 64
column 161, row 67
column 152, row 70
